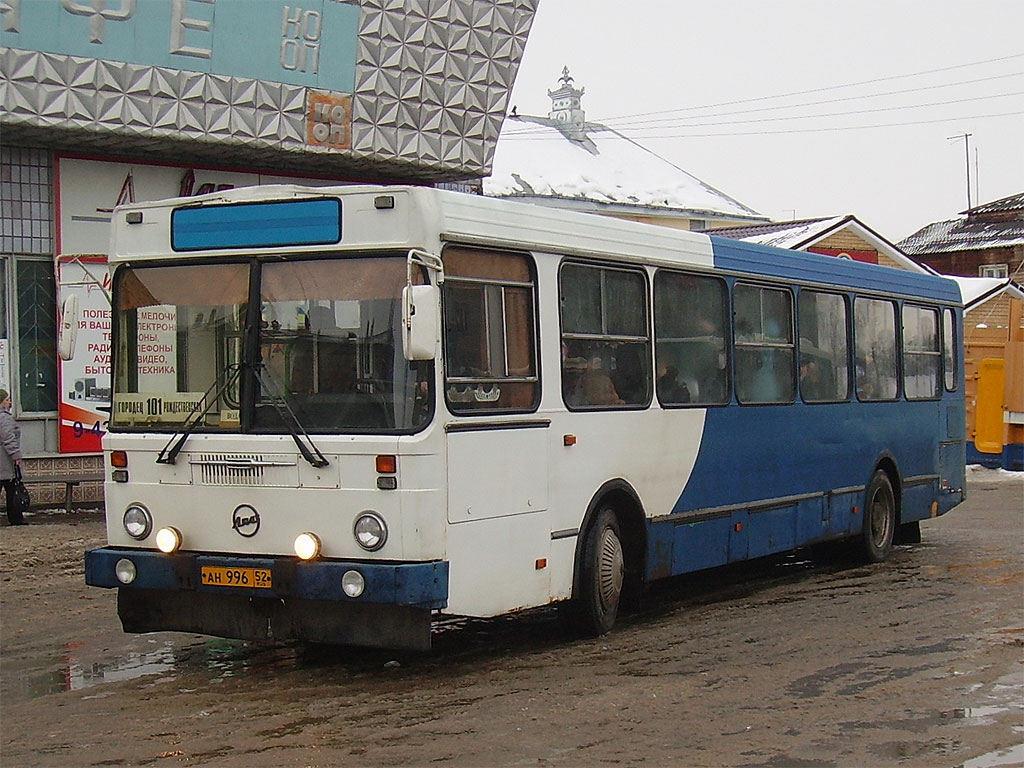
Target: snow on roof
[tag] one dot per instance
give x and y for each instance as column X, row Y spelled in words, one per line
column 999, row 224
column 978, row 290
column 786, row 234
column 963, row 235
column 1002, row 205
column 534, row 158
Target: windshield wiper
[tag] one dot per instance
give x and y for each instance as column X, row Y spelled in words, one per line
column 295, row 428
column 170, row 451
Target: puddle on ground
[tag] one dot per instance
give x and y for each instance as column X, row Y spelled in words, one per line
column 77, row 666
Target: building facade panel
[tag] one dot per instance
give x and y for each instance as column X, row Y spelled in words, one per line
column 415, row 90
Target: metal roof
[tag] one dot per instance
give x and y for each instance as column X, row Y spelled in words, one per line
column 964, row 235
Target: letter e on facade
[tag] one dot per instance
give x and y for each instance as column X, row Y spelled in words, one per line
column 329, row 120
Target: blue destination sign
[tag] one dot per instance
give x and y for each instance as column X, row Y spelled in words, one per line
column 301, row 42
column 257, row 225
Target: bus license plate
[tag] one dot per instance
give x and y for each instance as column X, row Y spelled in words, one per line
column 253, row 578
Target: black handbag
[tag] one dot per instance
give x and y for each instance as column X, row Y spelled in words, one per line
column 20, row 498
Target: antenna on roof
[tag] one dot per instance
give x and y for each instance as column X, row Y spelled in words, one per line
column 967, row 153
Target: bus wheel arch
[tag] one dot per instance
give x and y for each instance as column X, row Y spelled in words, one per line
column 612, row 538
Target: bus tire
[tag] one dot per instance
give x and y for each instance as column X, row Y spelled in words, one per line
column 879, row 518
column 602, row 574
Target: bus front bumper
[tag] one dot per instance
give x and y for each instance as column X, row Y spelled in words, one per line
column 422, row 585
column 258, row 598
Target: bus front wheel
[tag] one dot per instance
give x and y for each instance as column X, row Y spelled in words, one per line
column 603, row 573
column 879, row 518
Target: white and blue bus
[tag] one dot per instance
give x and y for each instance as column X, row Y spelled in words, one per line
column 339, row 414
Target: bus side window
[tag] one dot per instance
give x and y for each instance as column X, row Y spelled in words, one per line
column 824, row 370
column 922, row 358
column 949, row 349
column 874, row 328
column 763, row 337
column 690, row 317
column 606, row 345
column 489, row 332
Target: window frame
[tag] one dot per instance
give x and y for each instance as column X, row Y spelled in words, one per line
column 15, row 338
column 762, row 346
column 502, row 284
column 994, row 271
column 896, row 338
column 950, row 348
column 847, row 338
column 724, row 291
column 908, row 353
column 606, row 338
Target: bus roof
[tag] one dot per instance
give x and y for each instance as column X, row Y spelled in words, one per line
column 424, row 217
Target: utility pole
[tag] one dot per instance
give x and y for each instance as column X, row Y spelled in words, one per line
column 967, row 153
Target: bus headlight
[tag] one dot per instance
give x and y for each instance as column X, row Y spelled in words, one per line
column 353, row 583
column 168, row 540
column 307, row 545
column 370, row 531
column 137, row 521
column 125, row 571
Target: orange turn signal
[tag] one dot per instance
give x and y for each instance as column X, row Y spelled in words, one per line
column 387, row 465
column 119, row 459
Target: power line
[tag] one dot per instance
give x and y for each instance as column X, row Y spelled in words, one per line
column 553, row 135
column 902, row 91
column 835, row 129
column 642, row 130
column 819, row 90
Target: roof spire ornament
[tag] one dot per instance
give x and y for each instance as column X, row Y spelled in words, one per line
column 566, row 107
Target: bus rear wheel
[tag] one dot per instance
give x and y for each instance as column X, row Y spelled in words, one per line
column 879, row 518
column 604, row 568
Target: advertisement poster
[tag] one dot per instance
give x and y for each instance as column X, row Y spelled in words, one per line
column 85, row 379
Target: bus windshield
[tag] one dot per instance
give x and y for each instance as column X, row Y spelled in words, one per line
column 324, row 342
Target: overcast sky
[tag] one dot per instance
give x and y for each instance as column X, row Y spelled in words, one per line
column 681, row 77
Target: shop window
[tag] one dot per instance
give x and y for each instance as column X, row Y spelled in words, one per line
column 37, row 335
column 26, row 205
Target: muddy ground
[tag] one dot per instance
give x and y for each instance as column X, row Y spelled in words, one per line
column 795, row 661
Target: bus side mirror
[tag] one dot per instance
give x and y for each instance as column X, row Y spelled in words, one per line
column 420, row 321
column 68, row 333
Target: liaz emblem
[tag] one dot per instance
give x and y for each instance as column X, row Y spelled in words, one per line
column 245, row 521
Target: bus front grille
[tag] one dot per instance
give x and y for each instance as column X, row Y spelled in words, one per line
column 242, row 469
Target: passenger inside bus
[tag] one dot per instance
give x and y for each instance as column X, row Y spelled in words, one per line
column 812, row 380
column 595, row 386
column 585, row 378
column 670, row 389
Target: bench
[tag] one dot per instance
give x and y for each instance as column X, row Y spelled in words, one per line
column 69, row 481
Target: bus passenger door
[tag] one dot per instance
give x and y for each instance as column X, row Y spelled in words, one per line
column 499, row 535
